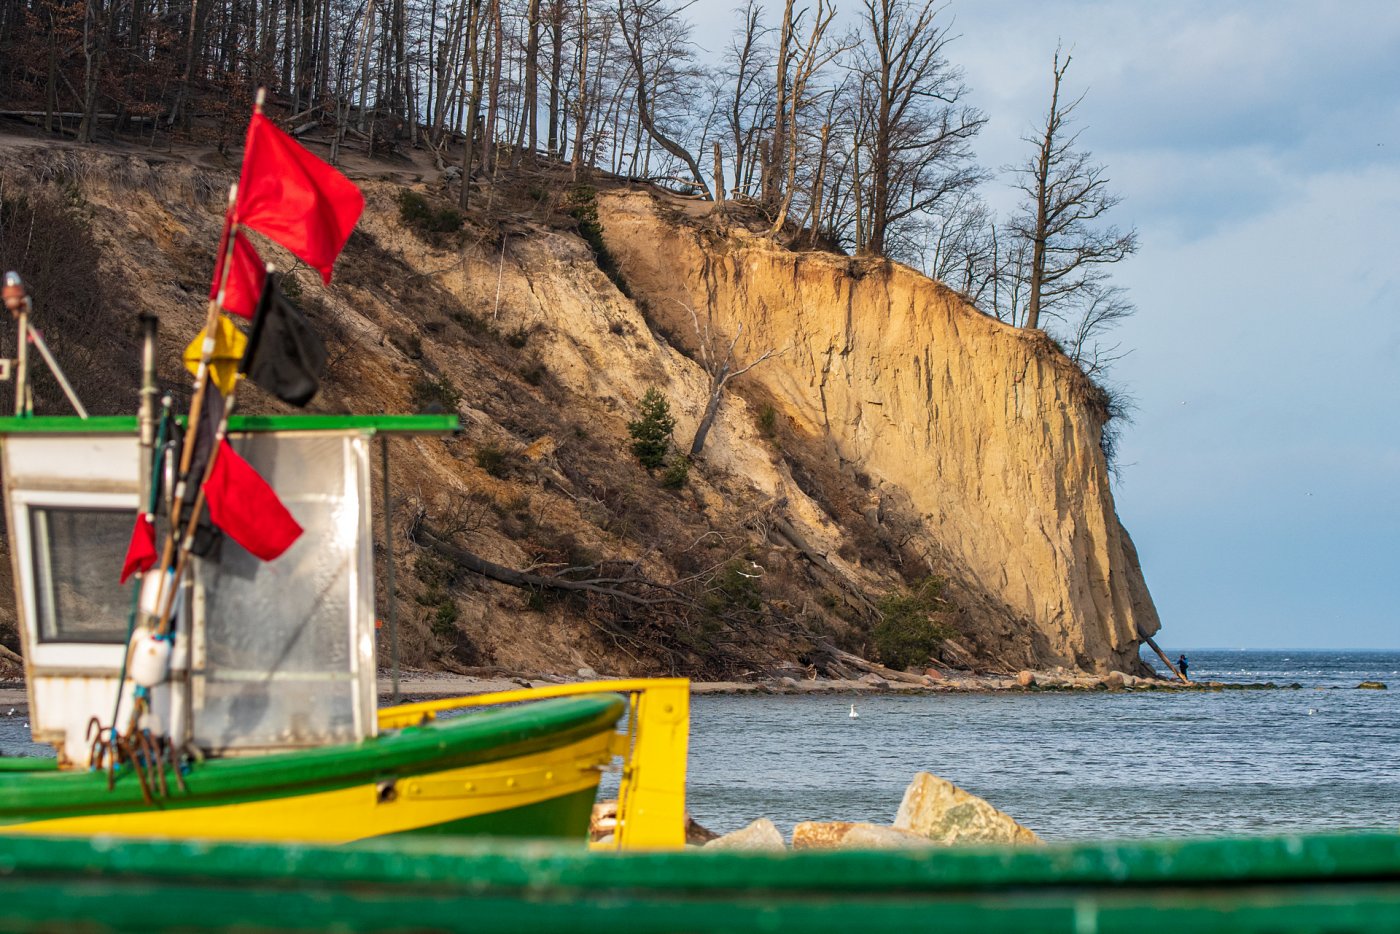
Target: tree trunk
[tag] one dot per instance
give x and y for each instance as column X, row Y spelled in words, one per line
column 702, row 431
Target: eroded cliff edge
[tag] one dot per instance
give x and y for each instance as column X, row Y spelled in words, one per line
column 987, row 432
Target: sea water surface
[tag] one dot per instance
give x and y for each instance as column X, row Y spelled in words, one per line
column 1069, row 765
column 1075, row 765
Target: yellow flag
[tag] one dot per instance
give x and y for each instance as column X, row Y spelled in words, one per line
column 229, row 344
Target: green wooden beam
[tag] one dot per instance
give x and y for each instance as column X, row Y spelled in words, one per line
column 126, row 424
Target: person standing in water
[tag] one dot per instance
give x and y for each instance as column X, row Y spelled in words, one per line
column 1182, row 663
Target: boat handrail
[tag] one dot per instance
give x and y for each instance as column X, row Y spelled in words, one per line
column 651, row 794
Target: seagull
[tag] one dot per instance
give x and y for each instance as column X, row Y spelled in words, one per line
column 1311, row 711
column 854, row 715
column 11, row 713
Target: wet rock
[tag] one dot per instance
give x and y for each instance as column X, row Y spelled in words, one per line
column 1371, row 686
column 760, row 835
column 846, row 835
column 944, row 813
column 1026, row 679
column 696, row 834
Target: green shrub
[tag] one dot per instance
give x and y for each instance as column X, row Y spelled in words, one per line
column 676, row 473
column 651, row 432
column 768, row 421
column 735, row 589
column 428, row 393
column 492, row 459
column 907, row 634
column 445, row 617
column 472, row 324
column 429, row 222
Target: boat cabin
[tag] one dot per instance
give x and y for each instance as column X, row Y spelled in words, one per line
column 266, row 655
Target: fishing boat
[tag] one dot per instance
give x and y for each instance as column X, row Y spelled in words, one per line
column 269, row 705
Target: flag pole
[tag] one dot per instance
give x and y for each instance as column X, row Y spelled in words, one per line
column 165, row 601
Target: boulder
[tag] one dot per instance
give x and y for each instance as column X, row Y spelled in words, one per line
column 874, row 680
column 846, row 835
column 1026, row 679
column 1371, row 686
column 944, row 813
column 587, row 673
column 697, row 834
column 934, row 673
column 1114, row 681
column 760, row 835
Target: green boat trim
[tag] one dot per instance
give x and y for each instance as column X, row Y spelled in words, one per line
column 127, row 424
column 540, row 820
column 1332, row 883
column 492, row 736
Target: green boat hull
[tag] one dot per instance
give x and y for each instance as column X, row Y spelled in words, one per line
column 530, row 770
column 1285, row 884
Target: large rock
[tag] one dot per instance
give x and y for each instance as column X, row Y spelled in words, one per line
column 1026, row 679
column 944, row 813
column 845, row 835
column 760, row 835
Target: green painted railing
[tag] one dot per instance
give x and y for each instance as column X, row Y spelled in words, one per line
column 126, row 424
column 1284, row 884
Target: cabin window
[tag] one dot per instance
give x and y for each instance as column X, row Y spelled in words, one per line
column 77, row 555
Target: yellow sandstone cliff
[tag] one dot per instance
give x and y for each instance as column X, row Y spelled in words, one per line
column 990, row 432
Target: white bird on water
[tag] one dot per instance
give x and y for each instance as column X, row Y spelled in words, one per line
column 854, row 715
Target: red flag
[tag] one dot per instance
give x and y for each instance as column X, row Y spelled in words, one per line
column 296, row 199
column 245, row 276
column 246, row 508
column 141, row 553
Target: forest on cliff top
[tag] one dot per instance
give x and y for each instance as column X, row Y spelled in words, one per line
column 849, row 129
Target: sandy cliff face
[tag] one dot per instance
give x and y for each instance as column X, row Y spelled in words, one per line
column 987, row 431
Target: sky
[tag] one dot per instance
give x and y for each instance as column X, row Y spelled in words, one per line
column 1257, row 148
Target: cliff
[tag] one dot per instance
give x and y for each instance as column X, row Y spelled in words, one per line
column 987, row 431
column 899, row 434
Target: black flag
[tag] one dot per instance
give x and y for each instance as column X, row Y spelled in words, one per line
column 284, row 354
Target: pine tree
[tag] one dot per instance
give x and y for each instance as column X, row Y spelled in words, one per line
column 651, row 432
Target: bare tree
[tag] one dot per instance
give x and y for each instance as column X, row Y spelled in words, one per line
column 913, row 133
column 655, row 39
column 808, row 58
column 722, row 367
column 1066, row 195
column 1104, row 310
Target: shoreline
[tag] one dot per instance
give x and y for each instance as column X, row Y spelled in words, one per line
column 424, row 685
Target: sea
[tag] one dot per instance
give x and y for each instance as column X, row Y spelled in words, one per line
column 1071, row 766
column 1076, row 765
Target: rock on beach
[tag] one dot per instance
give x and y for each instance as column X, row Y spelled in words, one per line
column 944, row 813
column 849, row 835
column 761, row 835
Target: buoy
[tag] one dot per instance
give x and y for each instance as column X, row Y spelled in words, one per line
column 854, row 715
column 150, row 659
